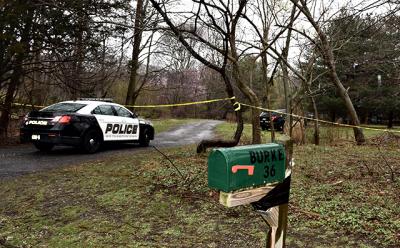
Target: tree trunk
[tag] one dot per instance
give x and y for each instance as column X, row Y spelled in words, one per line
column 285, row 73
column 358, row 132
column 6, row 113
column 316, row 125
column 250, row 95
column 288, row 104
column 390, row 119
column 12, row 88
column 254, row 101
column 244, row 88
column 77, row 88
column 264, row 66
column 366, row 118
column 138, row 30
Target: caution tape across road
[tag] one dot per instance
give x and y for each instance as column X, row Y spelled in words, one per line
column 180, row 104
column 237, row 107
column 322, row 121
column 151, row 106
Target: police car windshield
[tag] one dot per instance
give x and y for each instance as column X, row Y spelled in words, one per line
column 64, row 107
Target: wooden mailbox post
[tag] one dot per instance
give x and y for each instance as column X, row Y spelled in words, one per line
column 258, row 175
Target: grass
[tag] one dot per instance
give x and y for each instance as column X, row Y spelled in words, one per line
column 162, row 125
column 371, row 133
column 346, row 191
column 332, row 132
column 341, row 196
column 121, row 202
column 227, row 130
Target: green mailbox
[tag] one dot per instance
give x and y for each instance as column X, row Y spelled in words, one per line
column 243, row 167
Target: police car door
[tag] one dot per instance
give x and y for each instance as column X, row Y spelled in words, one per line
column 130, row 129
column 108, row 121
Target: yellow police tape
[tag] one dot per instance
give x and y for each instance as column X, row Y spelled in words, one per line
column 322, row 121
column 237, row 107
column 180, row 104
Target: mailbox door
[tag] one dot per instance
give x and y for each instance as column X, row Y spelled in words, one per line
column 218, row 176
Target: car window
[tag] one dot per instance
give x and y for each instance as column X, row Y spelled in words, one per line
column 64, row 107
column 122, row 112
column 96, row 111
column 103, row 110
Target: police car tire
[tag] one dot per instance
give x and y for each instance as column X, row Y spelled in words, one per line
column 43, row 147
column 91, row 141
column 144, row 139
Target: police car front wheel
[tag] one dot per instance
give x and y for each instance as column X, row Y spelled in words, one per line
column 144, row 139
column 91, row 141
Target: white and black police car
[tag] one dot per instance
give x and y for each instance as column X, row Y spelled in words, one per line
column 85, row 123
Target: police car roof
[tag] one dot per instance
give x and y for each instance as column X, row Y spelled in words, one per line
column 91, row 102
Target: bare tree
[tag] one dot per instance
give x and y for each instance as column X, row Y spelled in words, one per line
column 223, row 50
column 146, row 35
column 326, row 51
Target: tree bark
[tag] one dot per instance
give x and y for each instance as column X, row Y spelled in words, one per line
column 12, row 87
column 288, row 105
column 252, row 97
column 138, row 31
column 316, row 125
column 264, row 66
column 390, row 119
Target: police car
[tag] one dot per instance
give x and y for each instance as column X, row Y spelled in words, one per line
column 85, row 123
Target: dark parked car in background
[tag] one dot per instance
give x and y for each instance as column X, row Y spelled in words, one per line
column 278, row 119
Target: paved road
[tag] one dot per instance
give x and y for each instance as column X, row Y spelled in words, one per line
column 22, row 159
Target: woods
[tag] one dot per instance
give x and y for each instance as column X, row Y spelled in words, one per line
column 338, row 62
column 298, row 99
